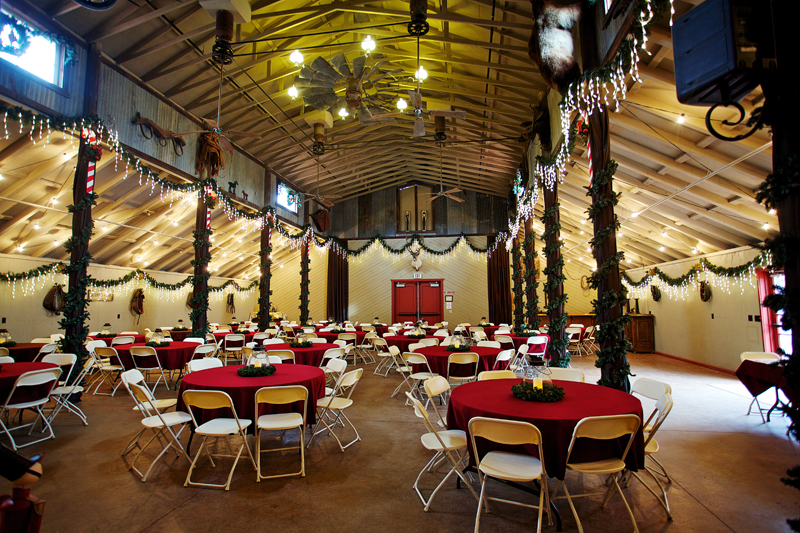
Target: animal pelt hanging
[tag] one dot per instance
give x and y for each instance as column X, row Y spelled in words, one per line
column 137, row 303
column 209, row 154
column 189, row 303
column 551, row 46
column 230, row 306
column 54, row 299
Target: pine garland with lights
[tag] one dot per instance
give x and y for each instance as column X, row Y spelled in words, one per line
column 555, row 278
column 266, row 276
column 305, row 268
column 22, row 34
column 531, row 284
column 612, row 330
column 200, row 298
column 517, row 266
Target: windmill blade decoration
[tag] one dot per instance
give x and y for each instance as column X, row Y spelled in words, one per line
column 418, row 111
column 365, row 87
column 446, row 193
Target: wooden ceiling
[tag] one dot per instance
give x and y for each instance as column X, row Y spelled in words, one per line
column 476, row 57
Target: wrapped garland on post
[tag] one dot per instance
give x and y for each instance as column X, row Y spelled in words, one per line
column 555, row 279
column 305, row 268
column 531, row 284
column 200, row 298
column 516, row 257
column 266, row 276
column 614, row 356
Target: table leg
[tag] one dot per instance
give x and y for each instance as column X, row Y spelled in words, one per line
column 777, row 400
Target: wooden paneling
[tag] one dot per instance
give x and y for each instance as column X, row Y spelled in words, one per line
column 440, row 216
column 285, row 285
column 365, row 218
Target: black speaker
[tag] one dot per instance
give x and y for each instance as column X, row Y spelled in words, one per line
column 723, row 49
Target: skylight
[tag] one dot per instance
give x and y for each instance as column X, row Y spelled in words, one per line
column 40, row 59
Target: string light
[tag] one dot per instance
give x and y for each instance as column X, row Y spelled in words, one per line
column 681, row 119
column 105, row 228
column 36, row 225
column 771, row 211
column 766, row 225
column 662, row 248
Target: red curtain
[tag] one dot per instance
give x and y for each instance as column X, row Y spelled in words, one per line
column 338, row 286
column 769, row 319
column 499, row 279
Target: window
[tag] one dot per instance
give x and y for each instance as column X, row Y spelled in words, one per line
column 774, row 336
column 287, row 198
column 44, row 58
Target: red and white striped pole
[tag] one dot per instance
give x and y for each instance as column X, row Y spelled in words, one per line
column 208, row 209
column 91, row 139
column 588, row 150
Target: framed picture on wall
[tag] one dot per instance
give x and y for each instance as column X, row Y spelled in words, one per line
column 448, row 298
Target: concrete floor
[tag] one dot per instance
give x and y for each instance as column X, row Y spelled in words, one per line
column 726, row 469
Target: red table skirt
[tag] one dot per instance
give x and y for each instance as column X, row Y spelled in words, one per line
column 243, row 390
column 760, row 376
column 107, row 340
column 25, row 351
column 556, row 421
column 437, row 358
column 330, row 336
column 519, row 341
column 172, row 357
column 9, row 372
column 402, row 342
column 305, row 356
column 248, row 337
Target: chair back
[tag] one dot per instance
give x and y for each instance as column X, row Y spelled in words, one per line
column 44, row 350
column 501, row 431
column 503, row 339
column 422, row 413
column 769, row 356
column 259, row 336
column 236, row 338
column 333, row 353
column 488, row 375
column 6, row 359
column 106, row 351
column 661, row 393
column 441, row 333
column 434, row 341
column 316, row 340
column 414, row 346
column 209, row 399
column 222, row 329
column 285, row 355
column 311, row 335
column 567, row 374
column 274, row 360
column 336, row 365
column 35, row 380
column 380, row 344
column 475, row 329
column 505, row 355
column 349, row 380
column 197, row 340
column 347, row 337
column 272, row 341
column 606, row 428
column 144, row 354
column 45, row 340
column 436, row 385
column 489, row 344
column 129, row 333
column 122, row 339
column 204, row 350
column 501, row 331
column 283, row 395
column 91, row 345
column 196, row 365
column 61, row 360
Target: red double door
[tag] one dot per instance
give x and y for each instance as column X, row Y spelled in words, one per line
column 414, row 299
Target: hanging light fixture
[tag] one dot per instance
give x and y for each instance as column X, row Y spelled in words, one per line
column 297, row 58
column 343, row 113
column 368, row 44
column 293, row 92
column 421, row 74
column 681, row 119
column 402, row 105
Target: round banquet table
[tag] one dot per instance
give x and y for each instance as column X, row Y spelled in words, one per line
column 305, row 356
column 243, row 390
column 331, row 336
column 519, row 341
column 136, row 338
column 556, row 421
column 402, row 342
column 25, row 351
column 9, row 372
column 437, row 358
column 180, row 335
column 248, row 337
column 172, row 357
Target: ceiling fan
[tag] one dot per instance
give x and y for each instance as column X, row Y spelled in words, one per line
column 447, row 193
column 222, row 53
column 364, row 86
column 318, row 197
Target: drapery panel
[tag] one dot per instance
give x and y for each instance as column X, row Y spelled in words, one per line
column 499, row 279
column 338, row 287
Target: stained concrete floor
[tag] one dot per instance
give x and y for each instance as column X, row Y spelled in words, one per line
column 726, row 470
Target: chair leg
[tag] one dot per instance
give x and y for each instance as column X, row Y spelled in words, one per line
column 628, row 507
column 661, row 499
column 481, row 500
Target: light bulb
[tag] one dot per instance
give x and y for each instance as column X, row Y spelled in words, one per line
column 368, row 45
column 146, row 263
column 583, row 221
column 155, row 243
column 175, row 223
column 240, row 240
column 629, row 261
column 580, row 258
column 140, row 258
column 634, row 215
column 401, row 105
column 241, row 258
column 105, row 228
column 343, row 112
column 569, row 260
column 55, row 201
column 55, row 243
column 36, row 226
column 772, row 211
column 582, row 232
column 594, row 269
column 619, row 234
column 694, row 250
column 421, row 74
column 662, row 248
column 296, row 57
column 766, row 226
column 281, row 266
column 293, row 92
column 681, row 119
column 664, row 234
column 20, row 247
column 225, row 254
column 560, row 238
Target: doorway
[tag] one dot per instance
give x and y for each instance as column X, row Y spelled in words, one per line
column 414, row 299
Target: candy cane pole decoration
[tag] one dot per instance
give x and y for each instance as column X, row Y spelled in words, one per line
column 91, row 139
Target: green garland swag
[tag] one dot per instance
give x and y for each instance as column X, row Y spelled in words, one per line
column 305, row 268
column 266, row 276
column 549, row 393
column 516, row 258
column 200, row 298
column 8, row 344
column 614, row 329
column 157, row 344
column 416, row 336
column 558, row 346
column 304, row 344
column 461, row 348
column 531, row 289
column 180, row 329
column 256, row 371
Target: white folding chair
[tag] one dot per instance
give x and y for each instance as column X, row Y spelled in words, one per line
column 162, row 424
column 284, row 395
column 122, row 339
column 285, row 355
column 6, row 359
column 196, row 340
column 145, row 360
column 487, row 375
column 489, row 344
column 566, row 374
column 34, row 388
column 44, row 350
column 196, row 365
column 381, row 348
column 466, row 360
column 109, row 367
column 216, row 428
column 61, row 394
column 331, row 408
column 233, row 345
column 507, row 466
column 450, row 447
column 503, row 359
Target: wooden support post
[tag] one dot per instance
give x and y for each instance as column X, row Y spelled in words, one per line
column 554, row 286
column 612, row 372
column 75, row 313
column 202, row 256
column 516, row 264
column 531, row 295
column 264, row 291
column 305, row 266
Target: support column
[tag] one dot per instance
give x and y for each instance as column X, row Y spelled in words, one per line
column 559, row 356
column 305, row 267
column 83, row 198
column 516, row 262
column 265, row 253
column 202, row 256
column 531, row 284
column 612, row 356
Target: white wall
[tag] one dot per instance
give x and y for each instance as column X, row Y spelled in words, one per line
column 27, row 319
column 371, row 290
column 684, row 328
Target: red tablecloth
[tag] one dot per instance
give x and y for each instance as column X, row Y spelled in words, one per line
column 25, row 351
column 437, row 357
column 402, row 342
column 243, row 390
column 248, row 337
column 519, row 341
column 305, row 356
column 556, row 421
column 136, row 338
column 330, row 336
column 172, row 357
column 180, row 335
column 760, row 376
column 9, row 372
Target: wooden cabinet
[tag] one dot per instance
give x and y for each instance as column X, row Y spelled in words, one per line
column 641, row 333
